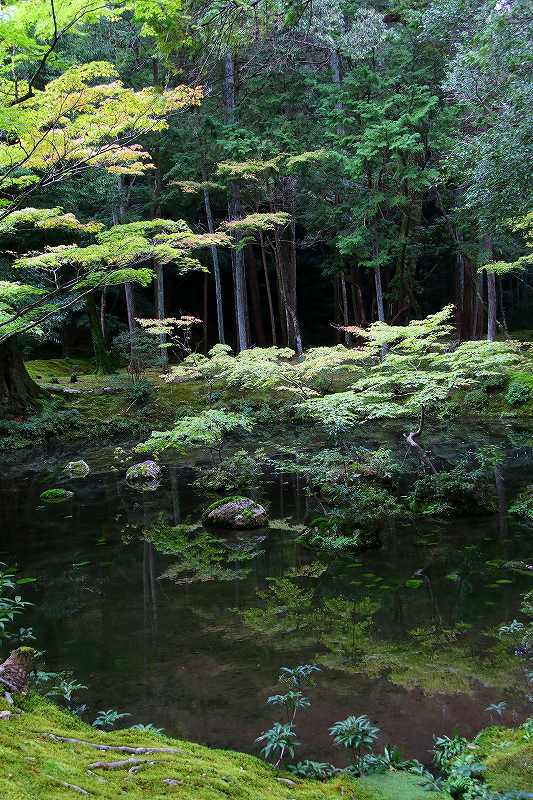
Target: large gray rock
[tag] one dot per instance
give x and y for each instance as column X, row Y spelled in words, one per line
column 77, row 469
column 144, row 476
column 236, row 513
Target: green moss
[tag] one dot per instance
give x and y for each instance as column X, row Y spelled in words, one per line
column 55, row 495
column 35, row 766
column 236, row 498
column 394, row 786
column 508, row 757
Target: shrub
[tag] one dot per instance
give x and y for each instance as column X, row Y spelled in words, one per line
column 517, row 393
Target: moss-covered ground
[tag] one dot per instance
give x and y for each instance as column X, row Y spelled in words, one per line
column 33, row 766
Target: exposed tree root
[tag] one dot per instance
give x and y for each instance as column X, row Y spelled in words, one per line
column 74, row 788
column 134, row 763
column 120, row 748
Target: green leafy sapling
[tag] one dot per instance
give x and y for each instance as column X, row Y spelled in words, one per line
column 446, row 749
column 291, row 703
column 280, row 740
column 354, row 733
column 108, row 718
column 149, row 727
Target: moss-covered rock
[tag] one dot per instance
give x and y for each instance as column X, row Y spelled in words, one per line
column 236, row 513
column 144, row 476
column 77, row 469
column 56, row 495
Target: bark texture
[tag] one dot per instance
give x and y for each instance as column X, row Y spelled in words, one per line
column 18, row 391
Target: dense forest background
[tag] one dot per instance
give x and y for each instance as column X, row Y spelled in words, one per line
column 384, row 146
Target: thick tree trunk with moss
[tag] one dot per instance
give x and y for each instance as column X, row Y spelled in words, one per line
column 16, row 668
column 18, row 391
column 102, row 358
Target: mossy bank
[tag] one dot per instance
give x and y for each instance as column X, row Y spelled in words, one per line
column 38, row 762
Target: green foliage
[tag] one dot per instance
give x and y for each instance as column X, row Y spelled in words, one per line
column 456, row 492
column 314, row 770
column 517, row 393
column 11, row 603
column 241, row 470
column 279, row 740
column 522, row 506
column 108, row 719
column 446, row 749
column 354, row 733
column 206, row 429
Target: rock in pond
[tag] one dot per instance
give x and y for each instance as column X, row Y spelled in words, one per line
column 144, row 476
column 235, row 513
column 77, row 469
column 56, row 495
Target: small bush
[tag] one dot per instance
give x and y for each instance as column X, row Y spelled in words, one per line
column 517, row 393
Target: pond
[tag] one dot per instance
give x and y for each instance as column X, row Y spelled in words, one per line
column 405, row 633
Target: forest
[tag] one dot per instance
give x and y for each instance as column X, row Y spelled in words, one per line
column 266, row 399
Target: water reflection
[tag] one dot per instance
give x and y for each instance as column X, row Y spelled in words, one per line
column 191, row 639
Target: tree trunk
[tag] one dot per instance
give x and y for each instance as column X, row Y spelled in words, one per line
column 16, row 668
column 345, row 319
column 255, row 296
column 216, row 268
column 103, row 311
column 18, row 391
column 235, row 212
column 492, row 301
column 492, row 305
column 102, row 358
column 130, row 306
column 160, row 306
column 268, row 291
column 379, row 294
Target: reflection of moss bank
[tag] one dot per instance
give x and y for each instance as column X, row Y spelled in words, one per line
column 293, row 617
column 38, row 767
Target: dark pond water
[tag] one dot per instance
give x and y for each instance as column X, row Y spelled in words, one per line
column 404, row 634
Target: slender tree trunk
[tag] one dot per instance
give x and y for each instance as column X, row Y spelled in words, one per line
column 18, row 391
column 492, row 300
column 255, row 296
column 357, row 298
column 268, row 291
column 379, row 294
column 479, row 311
column 102, row 357
column 216, row 267
column 119, row 217
column 160, row 308
column 205, row 310
column 130, row 306
column 235, row 212
column 102, row 312
column 345, row 319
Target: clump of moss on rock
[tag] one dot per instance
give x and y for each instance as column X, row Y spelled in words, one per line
column 235, row 513
column 56, row 495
